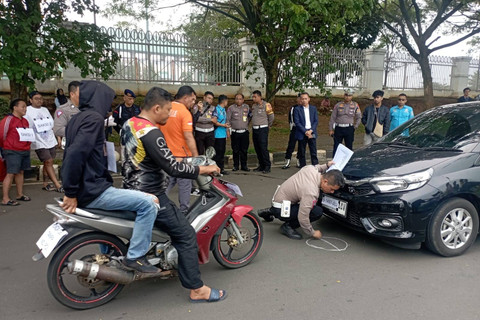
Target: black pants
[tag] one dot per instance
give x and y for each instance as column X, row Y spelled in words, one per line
column 343, row 133
column 312, row 146
column 220, row 146
column 315, row 214
column 184, row 239
column 204, row 140
column 291, row 144
column 260, row 142
column 240, row 142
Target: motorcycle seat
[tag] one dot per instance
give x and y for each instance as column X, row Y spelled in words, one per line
column 123, row 214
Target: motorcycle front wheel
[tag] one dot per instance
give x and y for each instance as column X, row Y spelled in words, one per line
column 227, row 249
column 79, row 292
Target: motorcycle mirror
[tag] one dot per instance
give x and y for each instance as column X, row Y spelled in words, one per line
column 210, row 152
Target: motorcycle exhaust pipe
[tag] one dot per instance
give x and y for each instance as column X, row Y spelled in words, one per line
column 111, row 274
column 101, row 272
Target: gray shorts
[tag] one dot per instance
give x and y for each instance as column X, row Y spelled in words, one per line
column 46, row 154
column 16, row 161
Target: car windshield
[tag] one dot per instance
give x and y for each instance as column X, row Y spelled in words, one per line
column 443, row 128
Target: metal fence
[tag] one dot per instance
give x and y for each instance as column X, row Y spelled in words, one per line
column 343, row 68
column 474, row 75
column 175, row 59
column 402, row 71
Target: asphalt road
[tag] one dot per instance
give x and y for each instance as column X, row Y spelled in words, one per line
column 287, row 280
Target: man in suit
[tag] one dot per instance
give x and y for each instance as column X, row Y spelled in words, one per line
column 306, row 121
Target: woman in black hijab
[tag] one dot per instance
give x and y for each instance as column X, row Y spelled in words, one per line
column 61, row 98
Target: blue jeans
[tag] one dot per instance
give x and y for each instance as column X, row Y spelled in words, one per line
column 131, row 200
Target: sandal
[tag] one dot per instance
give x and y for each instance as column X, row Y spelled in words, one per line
column 11, row 203
column 24, row 198
column 214, row 297
column 49, row 187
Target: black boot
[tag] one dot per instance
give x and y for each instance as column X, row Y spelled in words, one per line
column 287, row 230
column 265, row 214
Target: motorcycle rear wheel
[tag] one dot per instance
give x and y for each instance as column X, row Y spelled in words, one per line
column 231, row 254
column 78, row 292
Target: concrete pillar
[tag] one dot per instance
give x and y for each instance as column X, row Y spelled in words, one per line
column 252, row 77
column 375, row 63
column 459, row 75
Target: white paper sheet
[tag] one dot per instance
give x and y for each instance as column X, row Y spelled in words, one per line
column 112, row 163
column 342, row 156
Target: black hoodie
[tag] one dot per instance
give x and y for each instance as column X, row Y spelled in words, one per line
column 84, row 170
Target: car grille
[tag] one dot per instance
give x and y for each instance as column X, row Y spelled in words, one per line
column 360, row 190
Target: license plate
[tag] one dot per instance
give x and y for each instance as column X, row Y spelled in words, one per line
column 335, row 205
column 50, row 238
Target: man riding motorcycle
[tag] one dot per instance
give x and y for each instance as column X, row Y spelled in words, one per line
column 147, row 161
column 86, row 180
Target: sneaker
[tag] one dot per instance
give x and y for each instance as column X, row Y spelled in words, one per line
column 235, row 169
column 257, row 169
column 246, row 169
column 195, row 192
column 224, row 173
column 141, row 265
column 266, row 170
column 287, row 164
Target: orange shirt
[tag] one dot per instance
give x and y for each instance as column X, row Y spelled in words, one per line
column 179, row 121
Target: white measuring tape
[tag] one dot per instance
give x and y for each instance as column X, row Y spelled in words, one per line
column 333, row 248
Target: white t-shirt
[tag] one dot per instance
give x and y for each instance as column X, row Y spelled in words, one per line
column 308, row 124
column 42, row 123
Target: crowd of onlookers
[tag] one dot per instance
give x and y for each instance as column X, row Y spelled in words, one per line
column 192, row 128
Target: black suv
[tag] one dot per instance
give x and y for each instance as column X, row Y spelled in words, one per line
column 420, row 183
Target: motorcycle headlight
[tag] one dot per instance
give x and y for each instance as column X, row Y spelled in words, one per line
column 402, row 183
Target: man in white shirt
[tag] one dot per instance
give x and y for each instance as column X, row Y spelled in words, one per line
column 45, row 142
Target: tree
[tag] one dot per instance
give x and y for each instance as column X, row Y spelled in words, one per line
column 37, row 42
column 288, row 33
column 418, row 24
column 280, row 28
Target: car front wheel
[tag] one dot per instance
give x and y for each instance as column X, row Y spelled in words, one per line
column 453, row 228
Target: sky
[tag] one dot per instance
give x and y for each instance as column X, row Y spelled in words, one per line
column 172, row 15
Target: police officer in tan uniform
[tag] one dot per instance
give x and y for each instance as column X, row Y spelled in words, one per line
column 345, row 119
column 202, row 119
column 238, row 117
column 262, row 120
column 295, row 201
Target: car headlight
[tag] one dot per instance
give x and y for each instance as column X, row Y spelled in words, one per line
column 402, row 183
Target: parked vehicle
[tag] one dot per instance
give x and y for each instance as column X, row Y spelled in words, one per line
column 420, row 183
column 86, row 270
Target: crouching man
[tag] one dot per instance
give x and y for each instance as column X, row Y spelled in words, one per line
column 295, row 200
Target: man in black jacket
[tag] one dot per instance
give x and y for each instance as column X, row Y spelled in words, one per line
column 86, row 180
column 375, row 115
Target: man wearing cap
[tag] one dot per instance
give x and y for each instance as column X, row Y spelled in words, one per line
column 41, row 121
column 238, row 117
column 262, row 120
column 376, row 119
column 202, row 119
column 345, row 118
column 126, row 110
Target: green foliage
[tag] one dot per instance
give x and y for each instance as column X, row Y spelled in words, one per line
column 4, row 108
column 37, row 42
column 289, row 33
column 420, row 24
